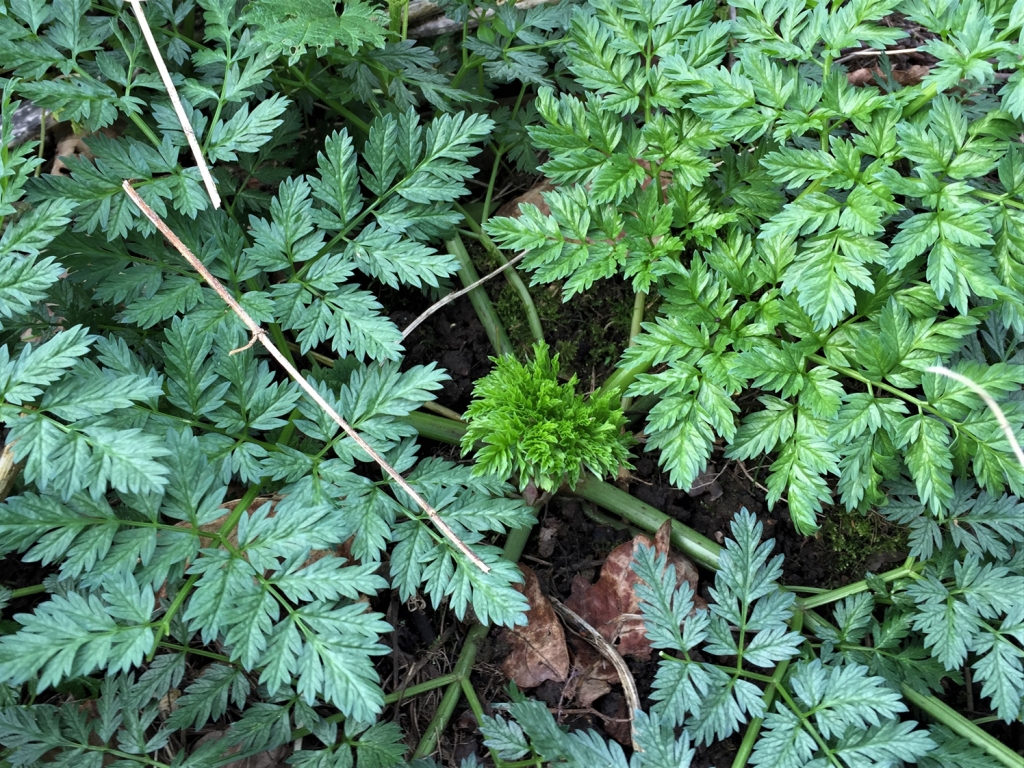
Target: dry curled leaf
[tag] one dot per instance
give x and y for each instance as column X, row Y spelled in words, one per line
column 537, row 652
column 532, row 196
column 548, row 537
column 706, row 483
column 592, row 676
column 611, row 605
column 912, row 75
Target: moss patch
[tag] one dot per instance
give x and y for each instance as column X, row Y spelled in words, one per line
column 588, row 332
column 862, row 543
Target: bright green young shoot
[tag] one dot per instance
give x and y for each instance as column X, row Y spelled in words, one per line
column 541, row 430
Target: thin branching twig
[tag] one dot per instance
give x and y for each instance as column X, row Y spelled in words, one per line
column 179, row 110
column 259, row 334
column 987, row 399
column 610, row 653
column 455, row 294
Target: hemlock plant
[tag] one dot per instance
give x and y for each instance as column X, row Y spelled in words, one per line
column 812, row 248
column 539, row 430
column 812, row 243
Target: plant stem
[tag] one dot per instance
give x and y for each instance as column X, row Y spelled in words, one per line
column 917, row 104
column 754, row 728
column 834, row 595
column 692, row 544
column 705, row 552
column 316, row 90
column 35, row 589
column 639, row 304
column 436, row 427
column 514, row 545
column 618, row 382
column 478, row 296
column 532, row 316
column 416, row 690
column 240, row 508
column 961, row 726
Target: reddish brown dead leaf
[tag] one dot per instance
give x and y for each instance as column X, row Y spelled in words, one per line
column 912, row 75
column 537, row 652
column 706, row 483
column 548, row 537
column 611, row 606
column 532, row 196
column 592, row 675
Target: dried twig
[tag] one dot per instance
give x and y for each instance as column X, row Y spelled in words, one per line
column 607, row 650
column 873, row 52
column 454, row 295
column 186, row 126
column 259, row 333
column 9, row 469
column 439, row 25
column 987, row 399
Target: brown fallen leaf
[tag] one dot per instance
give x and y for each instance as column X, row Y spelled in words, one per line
column 912, row 75
column 532, row 196
column 537, row 652
column 611, row 606
column 706, row 483
column 592, row 675
column 73, row 145
column 548, row 537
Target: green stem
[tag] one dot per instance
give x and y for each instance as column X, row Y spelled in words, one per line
column 436, row 427
column 808, row 728
column 164, row 628
column 472, row 699
column 35, row 589
column 692, row 544
column 391, row 698
column 514, row 545
column 754, row 728
column 532, row 316
column 478, row 296
column 639, row 305
column 425, row 687
column 917, row 104
column 909, row 569
column 486, row 210
column 961, row 726
column 238, row 511
column 199, row 652
column 619, row 381
column 321, row 94
column 451, row 697
column 1001, row 199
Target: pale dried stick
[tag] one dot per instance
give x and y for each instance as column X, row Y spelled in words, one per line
column 455, row 294
column 609, row 651
column 9, row 469
column 873, row 52
column 987, row 399
column 261, row 335
column 172, row 92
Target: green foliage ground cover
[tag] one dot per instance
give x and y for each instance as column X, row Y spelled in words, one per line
column 814, row 248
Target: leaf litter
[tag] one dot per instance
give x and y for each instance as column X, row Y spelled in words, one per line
column 539, row 652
